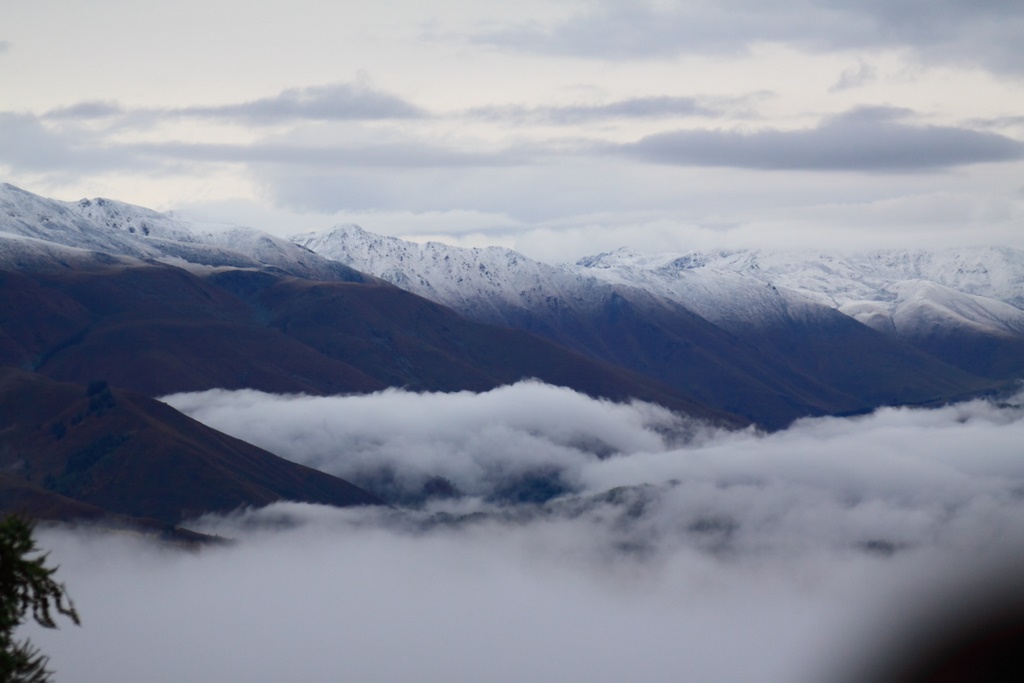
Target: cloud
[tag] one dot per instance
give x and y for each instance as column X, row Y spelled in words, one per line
column 484, row 442
column 333, row 598
column 721, row 556
column 4, row 46
column 622, row 30
column 999, row 122
column 335, row 102
column 632, row 108
column 27, row 145
column 570, row 206
column 87, row 110
column 895, row 461
column 948, row 31
column 405, row 154
column 574, row 190
column 871, row 139
column 358, row 102
column 527, row 188
column 855, row 77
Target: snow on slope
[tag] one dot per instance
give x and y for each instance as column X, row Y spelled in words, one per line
column 480, row 282
column 899, row 292
column 270, row 250
column 29, row 253
column 134, row 220
column 726, row 297
column 28, row 215
column 112, row 227
column 922, row 308
column 842, row 277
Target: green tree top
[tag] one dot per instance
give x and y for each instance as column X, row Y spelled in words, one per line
column 26, row 586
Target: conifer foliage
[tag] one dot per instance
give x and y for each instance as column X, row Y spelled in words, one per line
column 26, row 587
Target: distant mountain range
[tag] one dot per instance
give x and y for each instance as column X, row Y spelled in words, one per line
column 770, row 336
column 98, row 291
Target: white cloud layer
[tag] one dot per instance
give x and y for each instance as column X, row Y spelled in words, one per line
column 684, row 555
column 479, row 442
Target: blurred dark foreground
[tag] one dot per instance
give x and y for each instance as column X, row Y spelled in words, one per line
column 969, row 631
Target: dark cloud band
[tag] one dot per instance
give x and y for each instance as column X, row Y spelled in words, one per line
column 872, row 139
column 632, row 108
column 339, row 102
column 336, row 102
column 944, row 31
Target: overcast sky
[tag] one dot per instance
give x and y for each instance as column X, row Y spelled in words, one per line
column 558, row 128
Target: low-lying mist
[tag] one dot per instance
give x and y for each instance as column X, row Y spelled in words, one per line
column 543, row 535
column 396, row 443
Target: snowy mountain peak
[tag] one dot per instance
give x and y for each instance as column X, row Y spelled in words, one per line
column 608, row 259
column 921, row 307
column 628, row 258
column 840, row 278
column 135, row 220
column 111, row 227
column 479, row 281
column 890, row 290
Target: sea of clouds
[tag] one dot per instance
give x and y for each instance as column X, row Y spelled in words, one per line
column 647, row 547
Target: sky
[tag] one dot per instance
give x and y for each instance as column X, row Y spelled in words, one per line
column 679, row 552
column 559, row 128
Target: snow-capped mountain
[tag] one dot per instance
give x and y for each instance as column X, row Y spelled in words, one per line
column 767, row 336
column 950, row 303
column 484, row 283
column 835, row 279
column 897, row 292
column 705, row 321
column 175, row 315
column 111, row 227
column 922, row 307
column 910, row 294
column 498, row 284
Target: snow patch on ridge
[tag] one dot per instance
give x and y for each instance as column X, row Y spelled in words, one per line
column 892, row 291
column 478, row 281
column 112, row 227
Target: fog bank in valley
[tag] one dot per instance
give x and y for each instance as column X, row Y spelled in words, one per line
column 648, row 547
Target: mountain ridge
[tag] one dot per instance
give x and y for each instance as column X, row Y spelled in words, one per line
column 718, row 319
column 725, row 329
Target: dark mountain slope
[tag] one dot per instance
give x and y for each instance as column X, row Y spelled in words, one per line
column 876, row 368
column 70, row 450
column 996, row 356
column 17, row 494
column 405, row 340
column 698, row 359
column 726, row 334
column 155, row 329
column 808, row 361
column 159, row 329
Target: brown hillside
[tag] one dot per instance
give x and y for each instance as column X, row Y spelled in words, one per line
column 119, row 452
